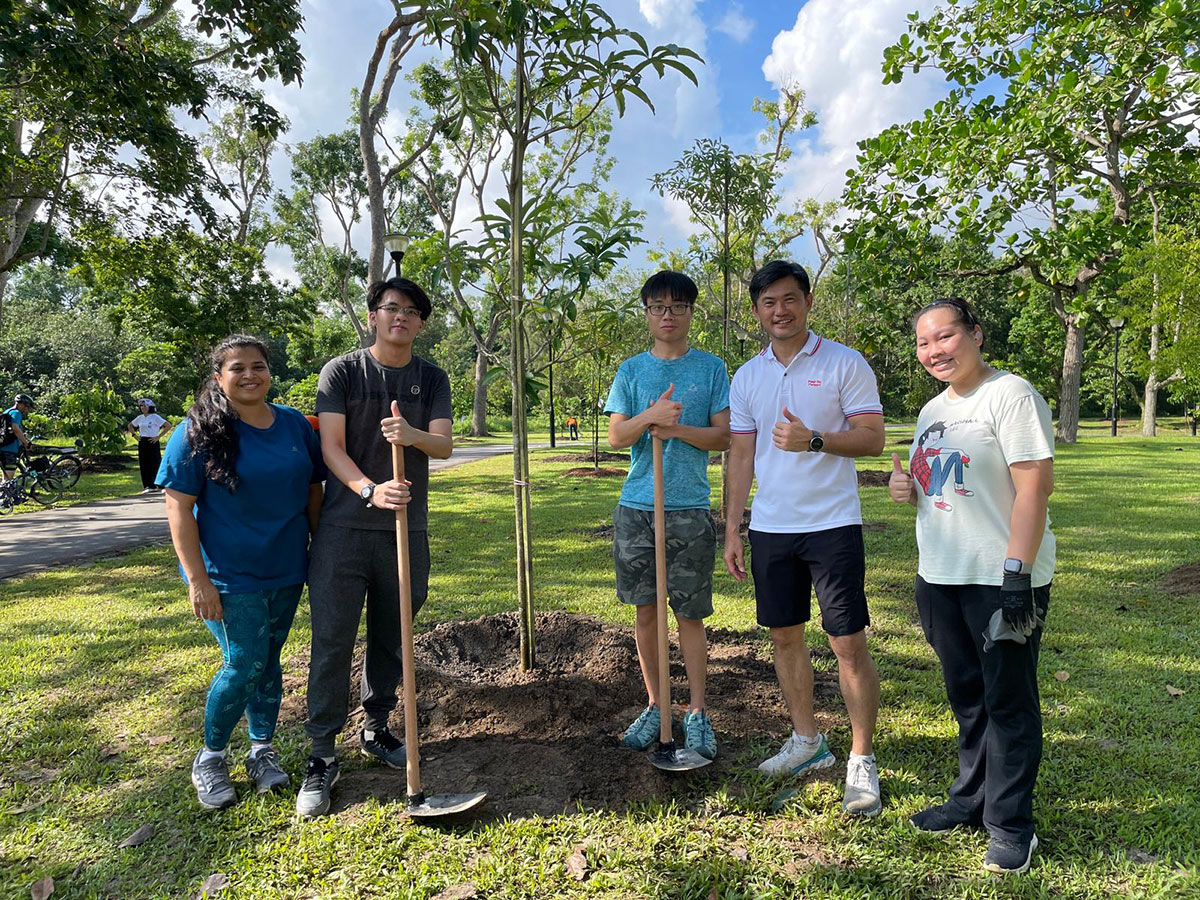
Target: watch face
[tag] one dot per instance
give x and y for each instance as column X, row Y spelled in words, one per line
column 816, row 442
column 366, row 491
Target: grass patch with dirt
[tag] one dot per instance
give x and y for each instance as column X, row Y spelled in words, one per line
column 105, row 670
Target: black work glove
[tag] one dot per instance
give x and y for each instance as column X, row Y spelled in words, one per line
column 1016, row 602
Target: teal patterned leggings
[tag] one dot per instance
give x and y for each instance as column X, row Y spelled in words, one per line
column 250, row 680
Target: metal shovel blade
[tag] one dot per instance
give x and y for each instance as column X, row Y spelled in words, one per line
column 669, row 758
column 433, row 806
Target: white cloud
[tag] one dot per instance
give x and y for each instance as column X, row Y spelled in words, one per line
column 736, row 24
column 835, row 53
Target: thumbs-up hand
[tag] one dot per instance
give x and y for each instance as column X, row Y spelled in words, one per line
column 396, row 429
column 791, row 434
column 663, row 412
column 900, row 485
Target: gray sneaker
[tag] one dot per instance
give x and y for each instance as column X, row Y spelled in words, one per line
column 263, row 767
column 210, row 777
column 862, row 787
column 313, row 799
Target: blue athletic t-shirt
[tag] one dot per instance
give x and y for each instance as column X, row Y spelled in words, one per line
column 14, row 446
column 702, row 386
column 255, row 539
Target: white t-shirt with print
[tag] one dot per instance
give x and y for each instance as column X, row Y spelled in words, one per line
column 148, row 426
column 959, row 460
column 826, row 384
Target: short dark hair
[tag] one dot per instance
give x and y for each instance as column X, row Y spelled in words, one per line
column 674, row 285
column 961, row 308
column 409, row 289
column 776, row 270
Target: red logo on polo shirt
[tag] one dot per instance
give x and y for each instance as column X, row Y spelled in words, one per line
column 814, row 382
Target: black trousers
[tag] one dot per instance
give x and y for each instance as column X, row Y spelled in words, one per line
column 149, row 459
column 994, row 696
column 346, row 566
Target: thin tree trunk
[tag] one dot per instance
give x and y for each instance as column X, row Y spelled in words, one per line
column 479, row 406
column 521, row 494
column 1068, row 392
column 1150, row 397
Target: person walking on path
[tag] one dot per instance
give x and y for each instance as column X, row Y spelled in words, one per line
column 148, row 427
column 243, row 492
column 12, row 432
column 800, row 412
column 368, row 400
column 681, row 395
column 983, row 577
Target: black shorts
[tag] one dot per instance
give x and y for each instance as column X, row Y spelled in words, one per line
column 786, row 567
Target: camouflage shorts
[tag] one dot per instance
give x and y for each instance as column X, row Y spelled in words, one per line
column 691, row 549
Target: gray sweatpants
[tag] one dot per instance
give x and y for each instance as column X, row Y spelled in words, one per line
column 346, row 565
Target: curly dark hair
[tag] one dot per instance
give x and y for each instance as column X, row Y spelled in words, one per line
column 212, row 420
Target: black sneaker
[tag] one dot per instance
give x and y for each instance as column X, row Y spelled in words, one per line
column 313, row 799
column 1009, row 857
column 935, row 820
column 264, row 768
column 384, row 747
column 210, row 777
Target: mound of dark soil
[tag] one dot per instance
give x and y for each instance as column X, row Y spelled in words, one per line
column 873, row 478
column 544, row 741
column 588, row 457
column 1182, row 580
column 593, row 472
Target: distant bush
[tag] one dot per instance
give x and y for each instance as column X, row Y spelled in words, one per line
column 95, row 417
column 303, row 395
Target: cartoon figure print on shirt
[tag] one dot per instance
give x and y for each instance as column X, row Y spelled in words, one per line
column 932, row 463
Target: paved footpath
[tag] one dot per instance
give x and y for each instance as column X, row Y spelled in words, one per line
column 31, row 542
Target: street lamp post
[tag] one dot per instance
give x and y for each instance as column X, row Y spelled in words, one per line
column 1117, row 323
column 396, row 244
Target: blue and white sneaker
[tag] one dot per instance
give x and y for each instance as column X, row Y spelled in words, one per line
column 642, row 734
column 798, row 757
column 698, row 734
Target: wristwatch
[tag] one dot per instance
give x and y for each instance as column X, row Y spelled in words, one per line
column 816, row 442
column 367, row 491
column 1014, row 566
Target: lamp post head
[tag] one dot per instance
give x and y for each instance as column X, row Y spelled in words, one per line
column 1117, row 322
column 396, row 244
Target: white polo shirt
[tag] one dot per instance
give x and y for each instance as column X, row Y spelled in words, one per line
column 825, row 386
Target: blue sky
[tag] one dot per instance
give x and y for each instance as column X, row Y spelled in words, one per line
column 830, row 48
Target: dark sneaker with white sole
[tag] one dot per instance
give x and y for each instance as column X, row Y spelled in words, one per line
column 210, row 777
column 264, row 769
column 313, row 799
column 1009, row 857
column 385, row 747
column 935, row 820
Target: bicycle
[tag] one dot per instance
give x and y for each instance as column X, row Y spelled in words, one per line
column 64, row 463
column 36, row 479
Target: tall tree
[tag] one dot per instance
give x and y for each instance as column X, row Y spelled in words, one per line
column 90, row 90
column 546, row 67
column 1097, row 102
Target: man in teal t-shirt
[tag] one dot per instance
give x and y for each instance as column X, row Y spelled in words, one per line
column 22, row 406
column 680, row 394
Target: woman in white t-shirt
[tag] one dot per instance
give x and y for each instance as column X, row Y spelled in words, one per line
column 148, row 428
column 981, row 469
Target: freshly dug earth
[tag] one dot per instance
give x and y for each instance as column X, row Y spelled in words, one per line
column 588, row 457
column 1182, row 580
column 872, row 478
column 545, row 741
column 593, row 472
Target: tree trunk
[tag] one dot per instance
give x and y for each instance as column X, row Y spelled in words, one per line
column 3, row 286
column 1068, row 392
column 1150, row 397
column 521, row 495
column 479, row 406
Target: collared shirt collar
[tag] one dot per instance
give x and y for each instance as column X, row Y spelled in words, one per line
column 809, row 348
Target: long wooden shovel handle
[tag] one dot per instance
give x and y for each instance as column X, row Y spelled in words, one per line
column 660, row 577
column 411, row 748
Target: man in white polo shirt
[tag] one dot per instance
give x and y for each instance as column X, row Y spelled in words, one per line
column 800, row 412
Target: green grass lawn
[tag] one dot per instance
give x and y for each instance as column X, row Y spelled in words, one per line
column 104, row 672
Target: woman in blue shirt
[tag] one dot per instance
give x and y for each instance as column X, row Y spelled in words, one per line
column 243, row 491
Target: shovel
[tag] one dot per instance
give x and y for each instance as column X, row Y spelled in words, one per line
column 419, row 805
column 667, row 757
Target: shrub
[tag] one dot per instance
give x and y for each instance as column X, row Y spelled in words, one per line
column 95, row 418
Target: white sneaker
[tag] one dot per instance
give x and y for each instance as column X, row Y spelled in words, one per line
column 862, row 786
column 798, row 757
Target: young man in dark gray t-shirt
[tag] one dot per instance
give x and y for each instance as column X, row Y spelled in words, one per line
column 368, row 400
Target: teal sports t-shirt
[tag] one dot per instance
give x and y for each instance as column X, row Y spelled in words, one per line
column 254, row 539
column 14, row 446
column 702, row 386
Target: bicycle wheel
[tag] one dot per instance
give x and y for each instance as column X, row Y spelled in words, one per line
column 43, row 487
column 69, row 469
